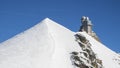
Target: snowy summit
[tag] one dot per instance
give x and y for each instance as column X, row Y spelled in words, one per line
column 50, row 45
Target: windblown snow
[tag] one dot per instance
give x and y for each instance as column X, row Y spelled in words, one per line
column 48, row 45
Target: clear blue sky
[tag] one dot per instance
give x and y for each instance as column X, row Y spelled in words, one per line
column 19, row 15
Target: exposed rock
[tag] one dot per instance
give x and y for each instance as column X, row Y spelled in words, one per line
column 86, row 58
column 87, row 27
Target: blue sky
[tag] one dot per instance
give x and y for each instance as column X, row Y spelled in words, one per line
column 19, row 15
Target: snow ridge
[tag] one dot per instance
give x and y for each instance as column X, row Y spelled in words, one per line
column 104, row 53
column 85, row 58
column 34, row 45
column 49, row 45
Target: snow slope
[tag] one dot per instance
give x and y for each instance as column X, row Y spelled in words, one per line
column 48, row 45
column 105, row 54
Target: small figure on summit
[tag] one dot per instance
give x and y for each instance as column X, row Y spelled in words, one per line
column 87, row 27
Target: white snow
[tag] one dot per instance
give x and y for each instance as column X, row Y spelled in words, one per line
column 105, row 54
column 48, row 45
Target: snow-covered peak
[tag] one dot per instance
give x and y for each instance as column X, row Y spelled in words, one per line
column 52, row 24
column 47, row 20
column 49, row 45
column 45, row 45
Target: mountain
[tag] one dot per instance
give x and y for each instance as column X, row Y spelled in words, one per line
column 50, row 45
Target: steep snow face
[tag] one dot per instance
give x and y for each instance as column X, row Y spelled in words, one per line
column 48, row 45
column 109, row 58
column 64, row 42
column 30, row 49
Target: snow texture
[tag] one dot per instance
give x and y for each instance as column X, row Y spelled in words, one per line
column 48, row 45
